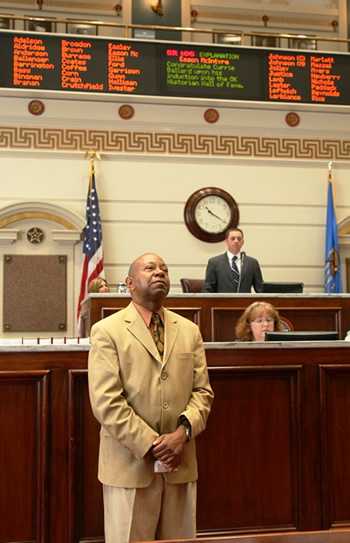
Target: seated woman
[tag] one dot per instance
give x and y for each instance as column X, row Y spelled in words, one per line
column 98, row 285
column 258, row 318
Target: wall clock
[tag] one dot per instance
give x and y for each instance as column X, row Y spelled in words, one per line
column 209, row 212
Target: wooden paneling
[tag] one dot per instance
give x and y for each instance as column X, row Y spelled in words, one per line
column 335, row 409
column 252, row 464
column 274, row 456
column 23, row 455
column 86, row 512
column 217, row 316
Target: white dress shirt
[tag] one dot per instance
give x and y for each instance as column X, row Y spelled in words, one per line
column 238, row 260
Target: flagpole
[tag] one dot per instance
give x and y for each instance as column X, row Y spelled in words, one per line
column 92, row 264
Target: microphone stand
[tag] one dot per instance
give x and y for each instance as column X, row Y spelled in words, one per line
column 240, row 273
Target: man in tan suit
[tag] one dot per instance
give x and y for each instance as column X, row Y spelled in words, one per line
column 151, row 404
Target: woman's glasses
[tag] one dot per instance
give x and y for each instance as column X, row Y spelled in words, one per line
column 260, row 320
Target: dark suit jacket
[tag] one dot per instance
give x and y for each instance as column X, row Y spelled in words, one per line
column 219, row 276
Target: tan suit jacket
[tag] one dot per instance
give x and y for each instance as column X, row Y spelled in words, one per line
column 136, row 396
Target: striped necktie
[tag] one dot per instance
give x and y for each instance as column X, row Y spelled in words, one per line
column 158, row 332
column 235, row 270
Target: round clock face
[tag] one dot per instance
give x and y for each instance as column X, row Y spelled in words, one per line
column 213, row 214
column 209, row 212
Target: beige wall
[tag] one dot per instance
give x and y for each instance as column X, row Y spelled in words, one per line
column 148, row 169
column 152, row 163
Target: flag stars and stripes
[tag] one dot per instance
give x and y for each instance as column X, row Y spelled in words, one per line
column 92, row 246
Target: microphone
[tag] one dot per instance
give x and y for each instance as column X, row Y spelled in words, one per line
column 240, row 273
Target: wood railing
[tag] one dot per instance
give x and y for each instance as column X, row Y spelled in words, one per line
column 246, row 38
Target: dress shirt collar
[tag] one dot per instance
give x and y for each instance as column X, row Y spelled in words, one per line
column 231, row 255
column 146, row 314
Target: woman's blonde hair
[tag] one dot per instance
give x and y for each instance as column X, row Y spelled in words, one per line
column 96, row 284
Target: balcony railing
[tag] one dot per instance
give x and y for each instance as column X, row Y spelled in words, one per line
column 226, row 37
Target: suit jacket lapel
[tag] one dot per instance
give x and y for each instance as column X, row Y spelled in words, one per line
column 137, row 327
column 171, row 331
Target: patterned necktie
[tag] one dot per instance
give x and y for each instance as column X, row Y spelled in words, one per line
column 235, row 270
column 158, row 333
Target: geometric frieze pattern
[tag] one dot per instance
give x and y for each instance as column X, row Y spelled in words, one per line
column 172, row 143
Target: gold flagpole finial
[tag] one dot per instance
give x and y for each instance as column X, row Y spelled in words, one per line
column 92, row 155
column 330, row 165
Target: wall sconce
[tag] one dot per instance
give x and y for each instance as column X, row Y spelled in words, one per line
column 157, row 8
column 40, row 3
column 194, row 15
column 118, row 8
column 334, row 25
column 265, row 19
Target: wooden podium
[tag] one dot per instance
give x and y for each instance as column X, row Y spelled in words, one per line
column 217, row 314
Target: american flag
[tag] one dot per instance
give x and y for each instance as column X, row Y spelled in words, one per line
column 92, row 249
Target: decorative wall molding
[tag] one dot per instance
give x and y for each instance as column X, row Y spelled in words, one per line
column 344, row 229
column 68, row 220
column 181, row 144
column 8, row 235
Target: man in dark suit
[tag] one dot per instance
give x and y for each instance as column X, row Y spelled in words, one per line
column 233, row 271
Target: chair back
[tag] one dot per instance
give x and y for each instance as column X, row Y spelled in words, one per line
column 191, row 285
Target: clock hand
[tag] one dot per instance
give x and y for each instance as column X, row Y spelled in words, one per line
column 211, row 213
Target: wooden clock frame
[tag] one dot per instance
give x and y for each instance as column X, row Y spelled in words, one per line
column 190, row 219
